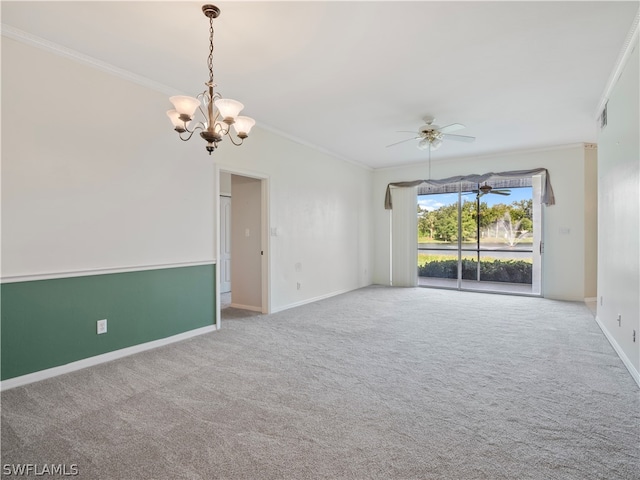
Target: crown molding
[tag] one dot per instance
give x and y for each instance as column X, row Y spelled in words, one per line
column 317, row 148
column 623, row 58
column 51, row 47
column 494, row 155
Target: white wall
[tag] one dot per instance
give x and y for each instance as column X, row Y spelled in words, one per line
column 320, row 211
column 619, row 217
column 564, row 271
column 94, row 177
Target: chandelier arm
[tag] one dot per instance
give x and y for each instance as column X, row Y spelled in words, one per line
column 199, row 126
column 204, row 99
column 209, row 119
column 236, row 144
column 188, row 138
column 223, row 130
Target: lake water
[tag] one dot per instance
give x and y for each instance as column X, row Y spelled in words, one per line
column 495, row 250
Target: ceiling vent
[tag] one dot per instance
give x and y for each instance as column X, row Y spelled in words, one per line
column 602, row 119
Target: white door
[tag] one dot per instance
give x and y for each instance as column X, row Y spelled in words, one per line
column 225, row 244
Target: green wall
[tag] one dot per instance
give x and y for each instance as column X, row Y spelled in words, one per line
column 48, row 323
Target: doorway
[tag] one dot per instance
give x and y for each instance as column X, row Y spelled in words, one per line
column 242, row 251
column 482, row 237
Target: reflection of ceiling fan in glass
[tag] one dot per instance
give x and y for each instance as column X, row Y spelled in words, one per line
column 485, row 189
column 430, row 135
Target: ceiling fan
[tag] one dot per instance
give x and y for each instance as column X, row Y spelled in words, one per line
column 485, row 189
column 431, row 135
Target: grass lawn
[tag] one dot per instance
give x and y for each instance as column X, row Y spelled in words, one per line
column 528, row 240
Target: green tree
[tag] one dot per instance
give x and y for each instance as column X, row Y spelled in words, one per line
column 446, row 223
column 522, row 209
column 468, row 220
column 522, row 214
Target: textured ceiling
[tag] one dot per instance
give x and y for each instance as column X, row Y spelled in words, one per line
column 347, row 77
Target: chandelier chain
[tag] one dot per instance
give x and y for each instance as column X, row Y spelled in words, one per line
column 210, row 60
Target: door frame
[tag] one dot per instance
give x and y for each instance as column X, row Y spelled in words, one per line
column 264, row 234
column 224, row 200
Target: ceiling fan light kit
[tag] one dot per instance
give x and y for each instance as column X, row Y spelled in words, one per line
column 431, row 138
column 218, row 113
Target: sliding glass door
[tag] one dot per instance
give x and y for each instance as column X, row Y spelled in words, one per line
column 481, row 237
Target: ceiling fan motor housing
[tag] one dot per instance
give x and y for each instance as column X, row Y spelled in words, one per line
column 428, row 128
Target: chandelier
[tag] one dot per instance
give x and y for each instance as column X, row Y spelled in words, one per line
column 219, row 114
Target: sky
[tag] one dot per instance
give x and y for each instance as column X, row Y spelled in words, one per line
column 433, row 202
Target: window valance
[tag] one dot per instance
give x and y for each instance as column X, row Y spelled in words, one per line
column 546, row 197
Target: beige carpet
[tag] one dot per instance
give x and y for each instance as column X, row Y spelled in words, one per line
column 378, row 383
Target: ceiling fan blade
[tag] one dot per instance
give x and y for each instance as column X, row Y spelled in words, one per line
column 500, row 192
column 459, row 138
column 401, row 141
column 454, row 127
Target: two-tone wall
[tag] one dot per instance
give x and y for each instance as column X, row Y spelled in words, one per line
column 49, row 323
column 107, row 214
column 102, row 216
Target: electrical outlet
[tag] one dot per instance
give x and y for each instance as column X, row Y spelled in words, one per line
column 102, row 326
column 634, row 336
column 619, row 319
column 299, row 285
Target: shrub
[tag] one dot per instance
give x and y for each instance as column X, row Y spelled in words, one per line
column 511, row 271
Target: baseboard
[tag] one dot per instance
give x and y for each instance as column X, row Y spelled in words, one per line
column 590, row 299
column 98, row 359
column 246, row 307
column 311, row 300
column 627, row 363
